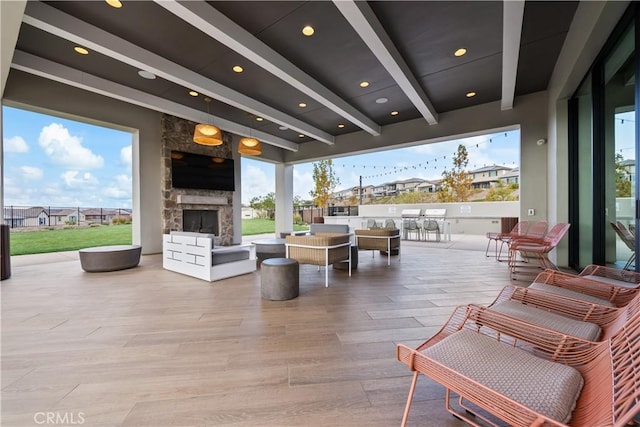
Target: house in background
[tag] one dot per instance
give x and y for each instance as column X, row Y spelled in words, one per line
column 488, row 176
column 35, row 216
column 66, row 216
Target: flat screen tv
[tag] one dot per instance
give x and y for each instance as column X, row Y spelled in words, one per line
column 196, row 171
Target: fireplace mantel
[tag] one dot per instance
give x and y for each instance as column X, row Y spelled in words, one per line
column 184, row 199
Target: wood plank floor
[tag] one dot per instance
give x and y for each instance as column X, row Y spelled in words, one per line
column 149, row 347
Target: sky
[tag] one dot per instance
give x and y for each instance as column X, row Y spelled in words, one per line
column 51, row 161
column 426, row 161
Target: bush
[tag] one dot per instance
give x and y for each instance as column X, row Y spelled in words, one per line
column 297, row 218
column 119, row 220
column 69, row 222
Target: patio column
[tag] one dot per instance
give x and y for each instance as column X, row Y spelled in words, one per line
column 284, row 198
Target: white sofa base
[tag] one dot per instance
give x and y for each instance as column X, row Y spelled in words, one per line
column 192, row 255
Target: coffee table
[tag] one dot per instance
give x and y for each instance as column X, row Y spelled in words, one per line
column 269, row 248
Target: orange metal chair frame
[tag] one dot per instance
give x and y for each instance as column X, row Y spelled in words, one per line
column 610, row 395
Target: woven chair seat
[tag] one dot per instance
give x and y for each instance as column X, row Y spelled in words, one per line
column 610, row 281
column 316, row 255
column 569, row 293
column 549, row 320
column 547, row 387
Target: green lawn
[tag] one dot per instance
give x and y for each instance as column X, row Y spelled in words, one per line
column 263, row 226
column 72, row 239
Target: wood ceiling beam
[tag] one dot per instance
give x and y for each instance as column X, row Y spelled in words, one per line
column 367, row 25
column 61, row 73
column 217, row 26
column 51, row 20
column 513, row 13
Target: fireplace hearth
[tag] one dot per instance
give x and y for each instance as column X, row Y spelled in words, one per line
column 200, row 221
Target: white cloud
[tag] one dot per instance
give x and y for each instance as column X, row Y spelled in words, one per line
column 30, row 173
column 66, row 150
column 120, row 189
column 75, row 179
column 125, row 156
column 255, row 183
column 15, row 144
column 302, row 184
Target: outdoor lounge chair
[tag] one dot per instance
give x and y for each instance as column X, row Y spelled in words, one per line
column 581, row 319
column 585, row 288
column 381, row 239
column 611, row 276
column 628, row 239
column 596, row 386
column 321, row 249
column 519, row 230
column 534, row 253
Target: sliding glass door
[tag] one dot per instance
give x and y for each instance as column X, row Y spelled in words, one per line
column 603, row 155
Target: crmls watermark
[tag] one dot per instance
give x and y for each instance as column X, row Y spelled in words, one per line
column 59, row 418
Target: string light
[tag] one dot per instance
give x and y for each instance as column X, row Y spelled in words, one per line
column 425, row 164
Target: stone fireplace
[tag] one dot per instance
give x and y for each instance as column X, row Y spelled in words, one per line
column 178, row 204
column 200, row 221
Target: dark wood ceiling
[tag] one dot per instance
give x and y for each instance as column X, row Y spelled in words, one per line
column 424, row 33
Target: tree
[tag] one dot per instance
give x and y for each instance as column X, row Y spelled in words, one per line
column 623, row 183
column 266, row 205
column 456, row 183
column 500, row 193
column 325, row 181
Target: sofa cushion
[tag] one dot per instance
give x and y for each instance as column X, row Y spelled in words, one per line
column 569, row 293
column 548, row 388
column 192, row 234
column 553, row 321
column 229, row 256
column 329, row 228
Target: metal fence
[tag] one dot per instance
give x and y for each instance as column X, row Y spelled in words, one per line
column 308, row 213
column 52, row 216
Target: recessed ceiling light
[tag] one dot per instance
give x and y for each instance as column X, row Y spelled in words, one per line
column 470, row 94
column 193, row 93
column 302, row 105
column 81, row 50
column 259, row 119
column 394, row 113
column 300, row 135
column 237, row 69
column 308, row 30
column 341, row 125
column 114, row 3
column 146, row 75
column 283, row 128
column 364, row 84
column 460, row 52
column 381, row 100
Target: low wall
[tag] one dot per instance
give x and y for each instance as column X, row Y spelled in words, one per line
column 465, row 218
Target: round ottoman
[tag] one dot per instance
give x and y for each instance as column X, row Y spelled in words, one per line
column 279, row 279
column 109, row 258
column 344, row 265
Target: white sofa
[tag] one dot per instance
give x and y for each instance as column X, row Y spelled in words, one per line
column 195, row 254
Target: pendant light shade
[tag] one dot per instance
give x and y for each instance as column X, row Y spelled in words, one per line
column 206, row 134
column 250, row 147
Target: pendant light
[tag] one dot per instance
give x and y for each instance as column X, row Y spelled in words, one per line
column 207, row 134
column 250, row 146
